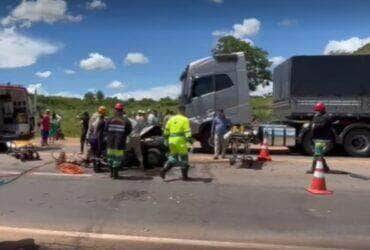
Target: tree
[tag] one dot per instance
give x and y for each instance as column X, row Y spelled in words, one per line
column 99, row 95
column 257, row 61
column 89, row 96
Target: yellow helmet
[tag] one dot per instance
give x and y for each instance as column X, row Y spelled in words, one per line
column 102, row 110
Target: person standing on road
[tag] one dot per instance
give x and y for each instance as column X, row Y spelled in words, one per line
column 220, row 126
column 153, row 118
column 45, row 124
column 117, row 128
column 95, row 135
column 321, row 134
column 84, row 120
column 134, row 141
column 178, row 136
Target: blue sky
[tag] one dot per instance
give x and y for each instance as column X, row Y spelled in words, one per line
column 55, row 35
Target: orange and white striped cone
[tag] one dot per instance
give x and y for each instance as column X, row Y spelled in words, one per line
column 318, row 183
column 264, row 153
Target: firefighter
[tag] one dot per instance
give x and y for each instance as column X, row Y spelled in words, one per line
column 95, row 135
column 322, row 135
column 117, row 128
column 178, row 136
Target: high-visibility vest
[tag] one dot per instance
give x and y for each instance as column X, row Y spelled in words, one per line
column 178, row 133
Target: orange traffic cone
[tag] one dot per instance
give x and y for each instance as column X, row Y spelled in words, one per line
column 264, row 153
column 318, row 184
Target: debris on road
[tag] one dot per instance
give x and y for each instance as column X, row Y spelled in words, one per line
column 67, row 166
column 23, row 150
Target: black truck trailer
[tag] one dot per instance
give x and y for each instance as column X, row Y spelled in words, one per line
column 342, row 82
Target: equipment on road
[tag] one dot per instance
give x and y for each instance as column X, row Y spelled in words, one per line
column 23, row 150
column 264, row 153
column 67, row 166
column 239, row 140
column 318, row 184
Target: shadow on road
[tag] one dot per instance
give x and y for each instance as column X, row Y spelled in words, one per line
column 135, row 178
column 25, row 244
column 192, row 179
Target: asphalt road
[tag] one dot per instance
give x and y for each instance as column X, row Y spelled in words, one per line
column 222, row 207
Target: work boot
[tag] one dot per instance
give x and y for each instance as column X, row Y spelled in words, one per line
column 111, row 172
column 164, row 170
column 115, row 173
column 184, row 173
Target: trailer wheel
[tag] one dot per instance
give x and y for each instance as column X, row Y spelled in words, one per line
column 307, row 144
column 357, row 143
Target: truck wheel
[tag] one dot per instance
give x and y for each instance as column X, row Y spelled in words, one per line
column 205, row 142
column 357, row 143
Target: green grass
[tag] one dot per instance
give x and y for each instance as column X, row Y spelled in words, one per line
column 69, row 108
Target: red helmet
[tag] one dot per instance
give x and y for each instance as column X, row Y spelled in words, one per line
column 320, row 107
column 118, row 106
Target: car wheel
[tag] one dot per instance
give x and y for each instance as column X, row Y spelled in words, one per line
column 153, row 158
column 357, row 143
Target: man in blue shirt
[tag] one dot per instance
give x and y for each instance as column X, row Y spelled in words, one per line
column 220, row 126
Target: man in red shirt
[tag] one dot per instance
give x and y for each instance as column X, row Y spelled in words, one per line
column 45, row 128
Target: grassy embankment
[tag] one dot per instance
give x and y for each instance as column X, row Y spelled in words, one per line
column 69, row 108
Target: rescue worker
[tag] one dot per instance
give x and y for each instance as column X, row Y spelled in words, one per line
column 178, row 135
column 134, row 142
column 117, row 128
column 95, row 135
column 84, row 120
column 322, row 135
column 153, row 118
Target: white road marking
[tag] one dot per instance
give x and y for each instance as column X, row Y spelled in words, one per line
column 34, row 232
column 44, row 174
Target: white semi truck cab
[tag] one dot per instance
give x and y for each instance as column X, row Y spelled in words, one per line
column 211, row 84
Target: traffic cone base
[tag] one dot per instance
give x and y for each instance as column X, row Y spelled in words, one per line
column 318, row 183
column 322, row 192
column 264, row 153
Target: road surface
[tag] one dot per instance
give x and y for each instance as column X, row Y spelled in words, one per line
column 222, row 207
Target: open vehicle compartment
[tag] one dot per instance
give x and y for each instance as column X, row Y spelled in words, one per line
column 16, row 116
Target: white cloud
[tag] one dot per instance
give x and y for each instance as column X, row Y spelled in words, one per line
column 263, row 90
column 96, row 61
column 135, row 58
column 69, row 71
column 44, row 74
column 249, row 27
column 276, row 61
column 17, row 50
column 96, row 5
column 345, row 46
column 67, row 94
column 288, row 23
column 38, row 88
column 155, row 93
column 115, row 85
column 48, row 11
column 217, row 1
